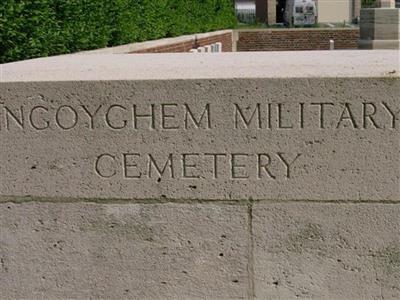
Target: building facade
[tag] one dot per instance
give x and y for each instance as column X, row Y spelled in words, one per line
column 333, row 11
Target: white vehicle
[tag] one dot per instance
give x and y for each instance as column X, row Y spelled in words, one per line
column 301, row 12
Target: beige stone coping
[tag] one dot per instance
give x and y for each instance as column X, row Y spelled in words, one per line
column 289, row 64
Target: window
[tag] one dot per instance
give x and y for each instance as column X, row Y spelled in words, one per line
column 299, row 9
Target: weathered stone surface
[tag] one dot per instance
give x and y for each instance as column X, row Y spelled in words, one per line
column 326, row 251
column 387, row 3
column 287, row 64
column 70, row 129
column 209, row 139
column 123, row 251
column 380, row 29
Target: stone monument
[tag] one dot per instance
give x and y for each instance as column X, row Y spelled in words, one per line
column 179, row 176
column 380, row 27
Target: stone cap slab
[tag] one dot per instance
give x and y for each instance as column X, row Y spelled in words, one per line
column 290, row 64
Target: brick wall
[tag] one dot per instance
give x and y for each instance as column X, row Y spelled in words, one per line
column 185, row 46
column 247, row 40
column 296, row 39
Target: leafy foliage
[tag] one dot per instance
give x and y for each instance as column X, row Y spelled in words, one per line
column 368, row 3
column 35, row 28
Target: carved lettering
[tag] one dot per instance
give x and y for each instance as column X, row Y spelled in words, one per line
column 196, row 166
column 102, row 170
column 280, row 121
column 165, row 115
column 108, row 118
column 263, row 163
column 301, row 115
column 168, row 164
column 150, row 117
column 130, row 164
column 92, row 115
column 186, row 166
column 322, row 112
column 71, row 114
column 394, row 115
column 368, row 115
column 197, row 123
column 215, row 162
column 247, row 121
column 347, row 115
column 172, row 116
column 238, row 171
column 18, row 120
column 288, row 164
column 46, row 121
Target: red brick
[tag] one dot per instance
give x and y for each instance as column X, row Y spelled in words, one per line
column 292, row 39
column 225, row 39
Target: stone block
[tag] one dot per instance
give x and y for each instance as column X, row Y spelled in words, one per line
column 274, row 137
column 387, row 3
column 123, row 251
column 380, row 28
column 326, row 251
column 115, row 171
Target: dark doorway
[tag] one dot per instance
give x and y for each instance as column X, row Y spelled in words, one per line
column 261, row 11
column 280, row 11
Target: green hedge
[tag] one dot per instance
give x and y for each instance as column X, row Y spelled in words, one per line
column 368, row 3
column 36, row 28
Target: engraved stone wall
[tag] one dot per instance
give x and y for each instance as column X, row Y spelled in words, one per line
column 327, row 139
column 227, row 176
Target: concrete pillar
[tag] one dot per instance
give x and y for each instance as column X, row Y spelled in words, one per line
column 356, row 10
column 380, row 27
column 387, row 3
column 271, row 10
column 235, row 39
column 266, row 11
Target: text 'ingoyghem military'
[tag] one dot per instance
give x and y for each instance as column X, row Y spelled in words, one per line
column 173, row 116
